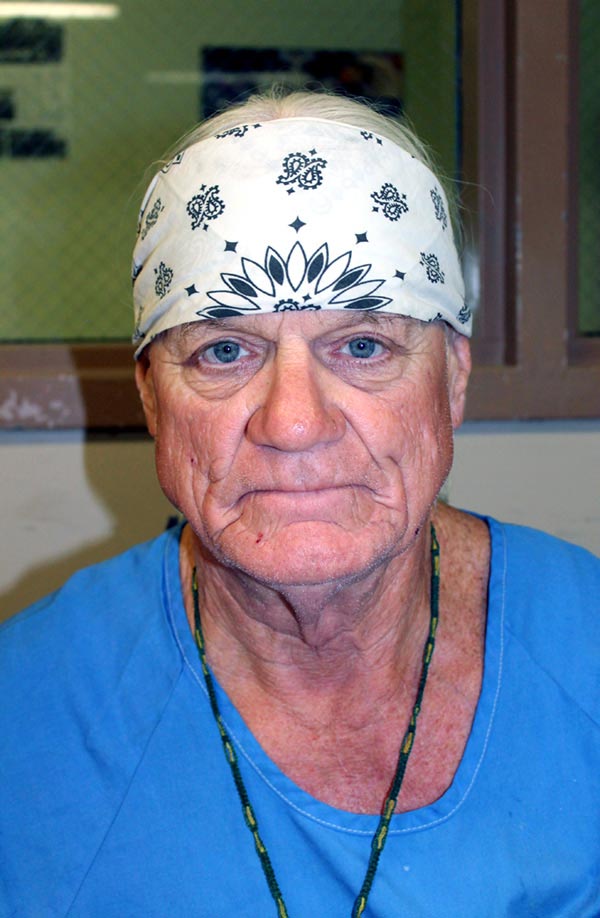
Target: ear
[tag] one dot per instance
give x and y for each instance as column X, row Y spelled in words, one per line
column 145, row 384
column 459, row 370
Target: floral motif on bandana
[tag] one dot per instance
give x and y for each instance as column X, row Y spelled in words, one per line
column 227, row 228
column 238, row 131
column 298, row 281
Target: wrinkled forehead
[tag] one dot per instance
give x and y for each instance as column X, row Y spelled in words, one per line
column 311, row 326
column 294, row 215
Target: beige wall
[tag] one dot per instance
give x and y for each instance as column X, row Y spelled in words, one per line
column 67, row 503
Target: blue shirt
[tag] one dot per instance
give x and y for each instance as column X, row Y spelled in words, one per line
column 116, row 800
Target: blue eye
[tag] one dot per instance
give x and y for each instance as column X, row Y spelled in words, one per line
column 224, row 352
column 363, row 347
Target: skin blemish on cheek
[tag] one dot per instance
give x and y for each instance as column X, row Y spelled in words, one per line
column 259, row 537
column 192, row 460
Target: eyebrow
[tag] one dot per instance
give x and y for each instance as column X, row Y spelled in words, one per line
column 354, row 317
column 194, row 330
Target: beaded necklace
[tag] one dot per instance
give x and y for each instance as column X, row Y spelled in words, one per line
column 389, row 804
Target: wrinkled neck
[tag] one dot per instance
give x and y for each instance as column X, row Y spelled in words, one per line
column 327, row 634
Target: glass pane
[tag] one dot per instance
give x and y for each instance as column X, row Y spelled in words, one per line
column 589, row 169
column 431, row 38
column 89, row 98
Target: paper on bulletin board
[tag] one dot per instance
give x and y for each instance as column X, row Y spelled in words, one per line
column 33, row 90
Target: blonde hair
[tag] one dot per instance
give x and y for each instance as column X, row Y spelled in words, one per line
column 281, row 103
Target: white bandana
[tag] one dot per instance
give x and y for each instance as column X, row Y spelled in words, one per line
column 296, row 213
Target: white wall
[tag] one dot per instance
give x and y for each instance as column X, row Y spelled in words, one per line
column 67, row 502
column 542, row 473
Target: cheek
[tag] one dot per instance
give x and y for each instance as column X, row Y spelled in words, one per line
column 196, row 445
column 176, row 447
column 413, row 430
column 429, row 434
column 176, row 458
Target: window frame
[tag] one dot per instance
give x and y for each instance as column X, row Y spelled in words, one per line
column 528, row 215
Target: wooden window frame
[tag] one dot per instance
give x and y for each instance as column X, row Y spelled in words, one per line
column 530, row 362
column 58, row 386
column 527, row 111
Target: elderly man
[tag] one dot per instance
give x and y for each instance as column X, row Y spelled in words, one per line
column 326, row 692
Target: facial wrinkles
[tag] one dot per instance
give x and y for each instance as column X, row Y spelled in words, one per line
column 421, row 453
column 357, row 515
column 250, row 474
column 380, row 488
column 428, row 447
column 389, row 443
column 237, row 502
column 350, row 461
column 292, row 432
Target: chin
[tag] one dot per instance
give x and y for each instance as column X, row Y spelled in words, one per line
column 306, row 554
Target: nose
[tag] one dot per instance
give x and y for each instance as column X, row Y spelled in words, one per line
column 295, row 413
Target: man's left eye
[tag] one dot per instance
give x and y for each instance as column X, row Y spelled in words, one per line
column 363, row 347
column 224, row 352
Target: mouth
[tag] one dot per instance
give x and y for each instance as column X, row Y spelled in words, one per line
column 300, row 490
column 298, row 503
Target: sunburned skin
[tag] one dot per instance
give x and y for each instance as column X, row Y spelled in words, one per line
column 307, row 451
column 335, row 459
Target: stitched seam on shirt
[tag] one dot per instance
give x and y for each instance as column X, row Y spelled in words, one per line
column 391, row 831
column 477, row 768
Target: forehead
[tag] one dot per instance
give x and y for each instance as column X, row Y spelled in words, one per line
column 308, row 323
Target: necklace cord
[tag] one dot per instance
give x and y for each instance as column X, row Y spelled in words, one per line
column 389, row 805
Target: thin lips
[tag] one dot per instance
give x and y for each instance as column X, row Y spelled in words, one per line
column 303, row 488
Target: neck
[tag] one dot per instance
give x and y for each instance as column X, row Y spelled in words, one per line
column 330, row 707
column 342, row 637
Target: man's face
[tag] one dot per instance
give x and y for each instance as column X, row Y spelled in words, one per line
column 304, row 447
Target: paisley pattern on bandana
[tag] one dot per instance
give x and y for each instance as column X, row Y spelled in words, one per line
column 392, row 202
column 164, row 276
column 373, row 234
column 151, row 217
column 293, row 306
column 296, row 281
column 438, row 206
column 237, row 131
column 432, row 266
column 205, row 206
column 464, row 315
column 368, row 135
column 176, row 161
column 240, row 130
column 302, row 169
